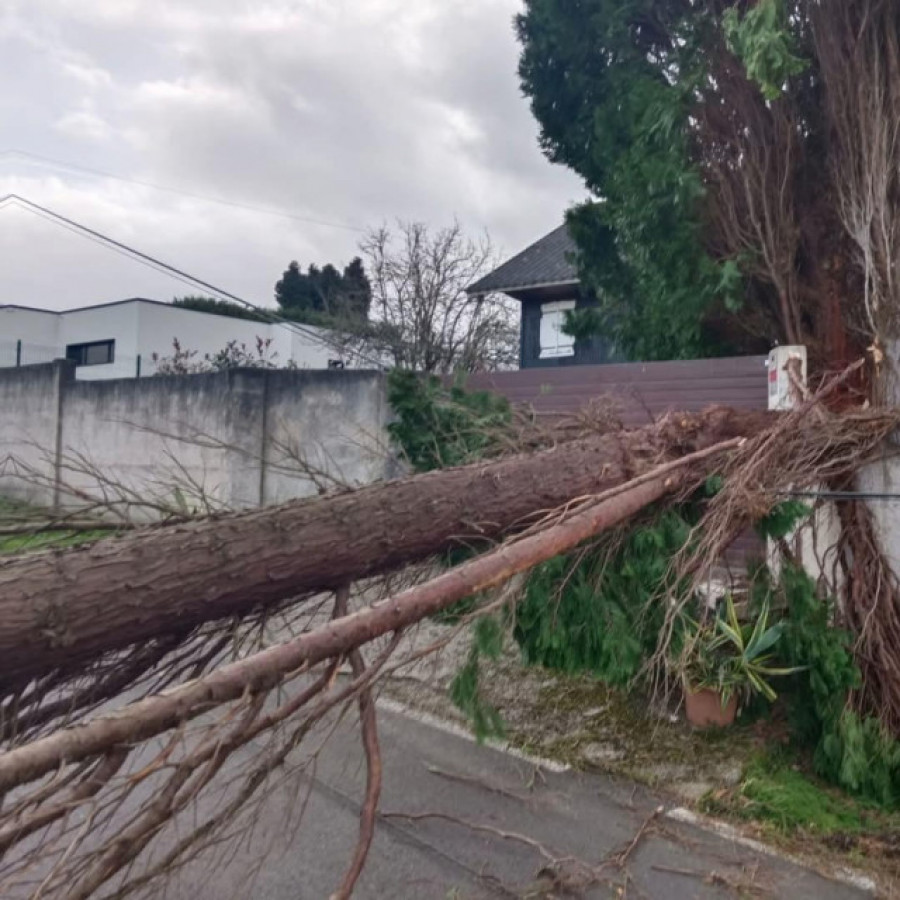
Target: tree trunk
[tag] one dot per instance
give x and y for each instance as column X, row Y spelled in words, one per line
column 59, row 608
column 265, row 669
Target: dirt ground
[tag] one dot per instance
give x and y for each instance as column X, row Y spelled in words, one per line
column 578, row 721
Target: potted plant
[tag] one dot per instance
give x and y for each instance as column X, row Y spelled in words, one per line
column 724, row 660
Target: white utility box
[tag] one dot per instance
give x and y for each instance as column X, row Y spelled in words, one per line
column 783, row 393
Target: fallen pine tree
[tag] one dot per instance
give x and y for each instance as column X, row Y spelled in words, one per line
column 60, row 608
column 134, row 771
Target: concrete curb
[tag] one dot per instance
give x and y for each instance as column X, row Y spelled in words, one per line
column 730, row 832
column 726, row 830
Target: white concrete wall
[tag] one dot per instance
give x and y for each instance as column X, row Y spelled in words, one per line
column 154, row 435
column 29, row 420
column 231, row 439
column 331, row 423
column 883, row 477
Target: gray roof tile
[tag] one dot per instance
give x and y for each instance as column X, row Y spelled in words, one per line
column 545, row 262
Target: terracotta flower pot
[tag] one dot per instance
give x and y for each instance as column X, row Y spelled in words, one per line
column 704, row 708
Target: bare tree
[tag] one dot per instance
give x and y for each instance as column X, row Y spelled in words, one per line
column 423, row 318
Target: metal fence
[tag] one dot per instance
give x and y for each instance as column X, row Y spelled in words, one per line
column 638, row 392
column 23, row 353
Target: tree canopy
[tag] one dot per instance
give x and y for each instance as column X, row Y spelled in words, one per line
column 326, row 293
column 737, row 154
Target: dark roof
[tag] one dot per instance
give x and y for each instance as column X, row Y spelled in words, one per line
column 546, row 262
column 59, row 312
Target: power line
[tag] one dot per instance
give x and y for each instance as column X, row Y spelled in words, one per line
column 106, row 246
column 237, row 204
column 842, row 495
column 163, row 267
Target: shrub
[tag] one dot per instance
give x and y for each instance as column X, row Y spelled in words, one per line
column 600, row 611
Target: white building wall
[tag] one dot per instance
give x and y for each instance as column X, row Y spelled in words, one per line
column 115, row 322
column 37, row 329
column 309, row 347
column 202, row 332
column 306, row 346
column 142, row 328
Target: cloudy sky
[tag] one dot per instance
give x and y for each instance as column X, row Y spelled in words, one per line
column 342, row 114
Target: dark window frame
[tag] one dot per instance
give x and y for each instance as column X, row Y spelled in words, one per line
column 78, row 353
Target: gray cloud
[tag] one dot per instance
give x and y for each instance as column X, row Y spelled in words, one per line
column 351, row 112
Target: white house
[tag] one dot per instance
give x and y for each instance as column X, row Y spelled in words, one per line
column 119, row 339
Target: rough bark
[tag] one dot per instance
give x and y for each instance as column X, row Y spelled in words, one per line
column 264, row 670
column 62, row 607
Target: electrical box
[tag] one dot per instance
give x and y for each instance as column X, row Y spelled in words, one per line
column 784, row 392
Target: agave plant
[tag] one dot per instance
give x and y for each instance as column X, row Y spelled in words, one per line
column 728, row 657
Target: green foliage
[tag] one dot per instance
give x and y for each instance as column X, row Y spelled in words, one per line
column 725, row 655
column 597, row 612
column 782, row 519
column 326, row 293
column 44, row 540
column 714, row 484
column 18, row 515
column 863, row 758
column 613, row 97
column 775, row 791
column 811, row 640
column 583, row 323
column 848, row 750
column 437, row 426
column 465, row 690
column 220, row 308
column 763, row 42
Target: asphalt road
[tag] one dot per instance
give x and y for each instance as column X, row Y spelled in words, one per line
column 471, row 795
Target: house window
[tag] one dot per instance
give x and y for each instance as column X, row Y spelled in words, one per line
column 554, row 342
column 95, row 353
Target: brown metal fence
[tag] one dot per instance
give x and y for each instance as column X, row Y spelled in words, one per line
column 639, row 391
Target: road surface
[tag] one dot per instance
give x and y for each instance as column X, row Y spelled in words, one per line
column 471, row 795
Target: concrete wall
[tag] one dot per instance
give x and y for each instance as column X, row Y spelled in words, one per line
column 883, row 477
column 233, row 439
column 30, row 404
column 335, row 424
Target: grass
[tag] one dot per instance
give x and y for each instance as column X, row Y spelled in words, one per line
column 778, row 793
column 14, row 513
column 43, row 540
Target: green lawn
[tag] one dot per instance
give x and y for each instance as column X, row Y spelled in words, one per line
column 776, row 792
column 13, row 514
